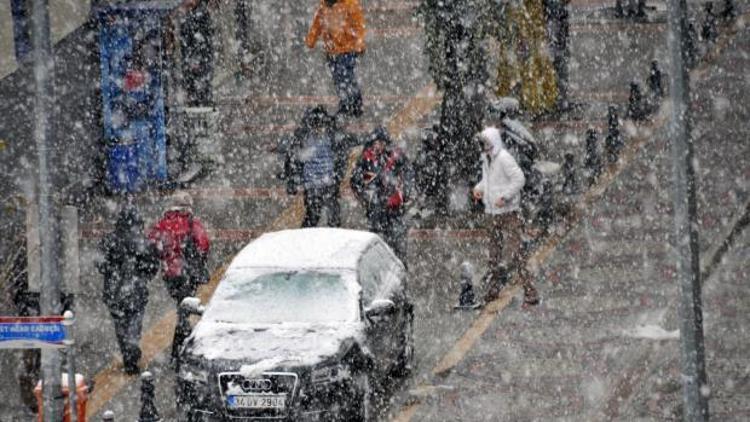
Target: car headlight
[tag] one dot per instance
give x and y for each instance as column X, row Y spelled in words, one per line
column 330, row 373
column 194, row 374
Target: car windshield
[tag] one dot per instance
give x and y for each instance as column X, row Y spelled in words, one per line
column 272, row 298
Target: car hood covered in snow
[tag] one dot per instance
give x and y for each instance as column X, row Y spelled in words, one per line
column 263, row 348
column 305, row 248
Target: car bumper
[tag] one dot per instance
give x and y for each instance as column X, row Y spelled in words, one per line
column 310, row 416
column 319, row 402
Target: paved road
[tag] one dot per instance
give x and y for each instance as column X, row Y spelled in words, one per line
column 562, row 359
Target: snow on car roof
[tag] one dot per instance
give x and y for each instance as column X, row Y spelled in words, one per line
column 305, row 248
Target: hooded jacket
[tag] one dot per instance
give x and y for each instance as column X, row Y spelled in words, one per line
column 169, row 235
column 317, row 158
column 293, row 151
column 501, row 176
column 391, row 185
column 342, row 26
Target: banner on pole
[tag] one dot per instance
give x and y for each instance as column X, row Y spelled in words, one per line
column 32, row 332
column 133, row 101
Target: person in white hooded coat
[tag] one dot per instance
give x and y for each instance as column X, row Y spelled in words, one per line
column 502, row 178
column 500, row 190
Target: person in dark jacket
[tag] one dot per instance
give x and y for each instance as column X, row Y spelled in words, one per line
column 127, row 267
column 382, row 180
column 196, row 45
column 317, row 158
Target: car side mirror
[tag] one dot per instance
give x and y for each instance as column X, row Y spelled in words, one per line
column 379, row 309
column 192, row 305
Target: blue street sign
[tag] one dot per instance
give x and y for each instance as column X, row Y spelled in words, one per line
column 32, row 332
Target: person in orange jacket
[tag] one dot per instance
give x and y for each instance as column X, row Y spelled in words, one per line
column 341, row 24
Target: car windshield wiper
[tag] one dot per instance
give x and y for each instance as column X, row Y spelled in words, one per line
column 255, row 325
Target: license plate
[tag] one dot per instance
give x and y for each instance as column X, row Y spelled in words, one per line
column 257, row 401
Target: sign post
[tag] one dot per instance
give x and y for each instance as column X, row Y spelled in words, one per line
column 695, row 391
column 44, row 332
column 69, row 341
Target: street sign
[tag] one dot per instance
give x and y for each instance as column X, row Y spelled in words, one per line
column 32, row 332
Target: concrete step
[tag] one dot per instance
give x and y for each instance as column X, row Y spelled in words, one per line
column 553, row 376
column 607, row 300
column 572, row 325
column 655, row 273
column 242, row 114
column 247, row 212
column 391, row 15
column 636, row 46
column 593, row 250
column 523, row 402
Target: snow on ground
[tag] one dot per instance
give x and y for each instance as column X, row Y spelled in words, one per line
column 652, row 332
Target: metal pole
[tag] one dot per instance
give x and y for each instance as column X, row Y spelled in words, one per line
column 70, row 354
column 692, row 351
column 50, row 274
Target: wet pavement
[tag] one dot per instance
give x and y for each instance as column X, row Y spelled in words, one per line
column 575, row 357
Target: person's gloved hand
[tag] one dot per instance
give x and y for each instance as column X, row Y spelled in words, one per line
column 291, row 189
column 395, row 200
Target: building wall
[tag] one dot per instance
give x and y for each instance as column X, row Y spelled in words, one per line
column 77, row 150
column 226, row 44
column 65, row 17
column 7, row 52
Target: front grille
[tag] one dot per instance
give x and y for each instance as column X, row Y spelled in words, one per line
column 270, row 384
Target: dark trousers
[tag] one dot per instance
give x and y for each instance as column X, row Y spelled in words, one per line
column 197, row 84
column 318, row 198
column 505, row 247
column 345, row 81
column 393, row 229
column 128, row 325
column 243, row 21
column 179, row 288
column 28, row 375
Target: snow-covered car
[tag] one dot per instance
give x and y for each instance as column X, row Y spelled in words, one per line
column 302, row 325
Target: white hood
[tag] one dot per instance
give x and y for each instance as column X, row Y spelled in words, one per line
column 501, row 176
column 491, row 136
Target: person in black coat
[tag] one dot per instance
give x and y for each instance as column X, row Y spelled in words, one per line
column 128, row 264
column 196, row 45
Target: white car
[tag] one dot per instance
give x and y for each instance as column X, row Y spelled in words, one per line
column 299, row 326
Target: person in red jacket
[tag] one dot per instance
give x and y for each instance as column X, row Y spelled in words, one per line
column 182, row 245
column 177, row 236
column 382, row 180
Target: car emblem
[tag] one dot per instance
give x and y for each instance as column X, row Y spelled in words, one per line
column 256, row 384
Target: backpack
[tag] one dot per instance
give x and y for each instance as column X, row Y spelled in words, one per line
column 525, row 152
column 194, row 265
